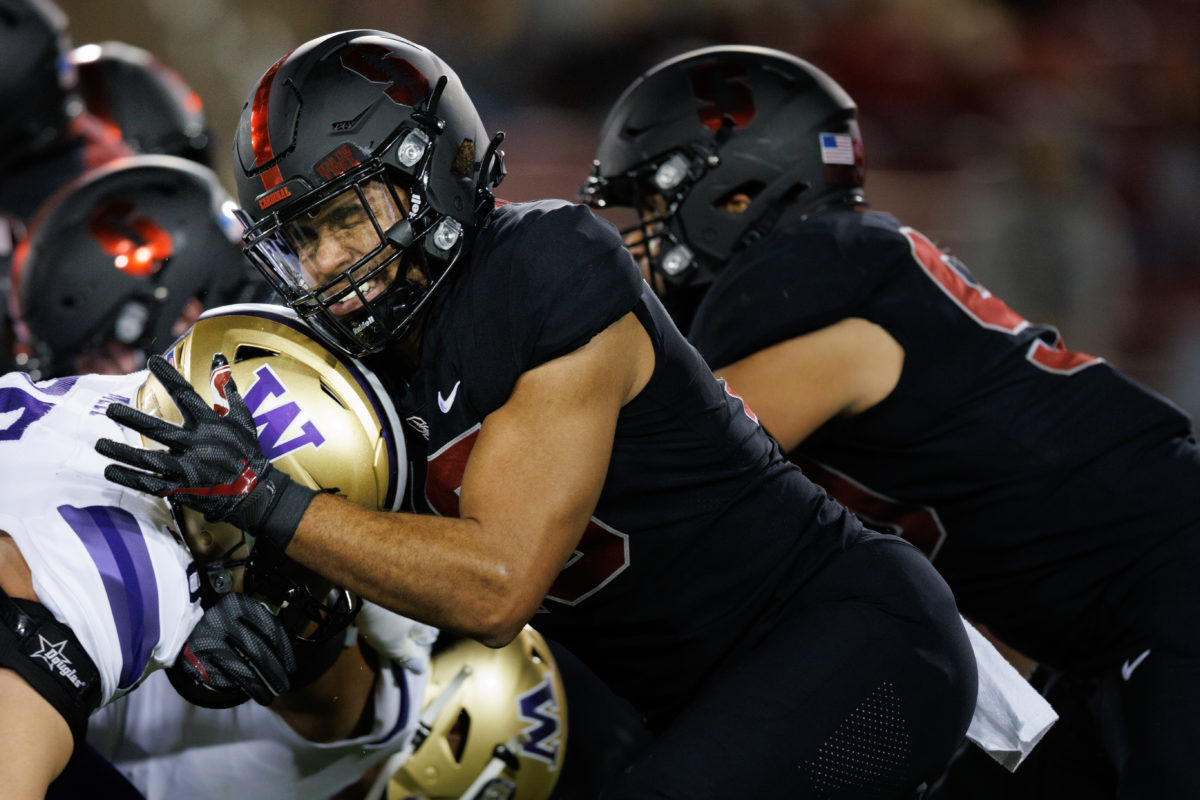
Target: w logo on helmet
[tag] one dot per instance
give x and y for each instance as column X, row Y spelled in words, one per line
column 723, row 94
column 406, row 85
column 539, row 706
column 275, row 422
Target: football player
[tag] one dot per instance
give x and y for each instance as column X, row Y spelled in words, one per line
column 11, row 233
column 47, row 138
column 582, row 467
column 1053, row 493
column 121, row 261
column 150, row 103
column 99, row 589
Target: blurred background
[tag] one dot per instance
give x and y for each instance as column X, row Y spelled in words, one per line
column 1053, row 146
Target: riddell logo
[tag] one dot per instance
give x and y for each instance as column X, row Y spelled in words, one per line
column 274, row 197
column 52, row 654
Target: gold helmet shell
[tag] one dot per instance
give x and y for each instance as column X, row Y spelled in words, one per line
column 494, row 724
column 323, row 418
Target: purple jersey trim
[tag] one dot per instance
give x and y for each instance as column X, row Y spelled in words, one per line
column 117, row 546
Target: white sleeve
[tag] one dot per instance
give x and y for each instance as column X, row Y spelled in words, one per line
column 103, row 559
column 169, row 748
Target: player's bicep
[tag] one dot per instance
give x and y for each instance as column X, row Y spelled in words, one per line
column 538, row 466
column 796, row 386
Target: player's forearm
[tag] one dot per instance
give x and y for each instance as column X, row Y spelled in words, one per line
column 443, row 571
column 34, row 738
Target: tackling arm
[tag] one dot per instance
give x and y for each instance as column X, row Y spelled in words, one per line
column 530, row 486
column 34, row 737
column 796, row 386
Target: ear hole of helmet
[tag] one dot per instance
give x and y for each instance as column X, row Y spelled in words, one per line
column 456, row 737
column 246, row 352
column 727, row 202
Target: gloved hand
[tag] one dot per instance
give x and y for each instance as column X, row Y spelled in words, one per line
column 214, row 463
column 238, row 649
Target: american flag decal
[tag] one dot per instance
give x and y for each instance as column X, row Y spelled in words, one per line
column 836, row 148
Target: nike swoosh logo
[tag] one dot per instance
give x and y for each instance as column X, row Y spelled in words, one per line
column 1128, row 667
column 444, row 403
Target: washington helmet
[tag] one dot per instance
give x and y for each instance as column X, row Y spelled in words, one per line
column 322, row 418
column 494, row 725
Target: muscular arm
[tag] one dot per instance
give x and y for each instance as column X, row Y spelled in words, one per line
column 34, row 738
column 798, row 385
column 530, row 486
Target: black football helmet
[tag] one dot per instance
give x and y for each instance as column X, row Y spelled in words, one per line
column 11, row 233
column 152, row 106
column 119, row 254
column 694, row 131
column 363, row 169
column 37, row 80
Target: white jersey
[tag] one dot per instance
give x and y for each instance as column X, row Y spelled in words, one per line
column 169, row 748
column 104, row 559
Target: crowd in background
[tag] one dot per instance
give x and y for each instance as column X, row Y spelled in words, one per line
column 1056, row 144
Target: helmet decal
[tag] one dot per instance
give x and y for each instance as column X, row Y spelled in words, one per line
column 272, row 423
column 138, row 244
column 406, row 85
column 275, row 422
column 723, row 94
column 539, row 706
column 260, row 134
column 343, row 158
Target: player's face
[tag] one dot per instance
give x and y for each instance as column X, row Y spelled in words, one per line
column 340, row 233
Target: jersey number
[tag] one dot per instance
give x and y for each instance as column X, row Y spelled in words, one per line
column 919, row 525
column 987, row 309
column 602, row 552
column 19, row 410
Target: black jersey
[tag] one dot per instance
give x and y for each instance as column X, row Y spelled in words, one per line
column 702, row 523
column 1042, row 480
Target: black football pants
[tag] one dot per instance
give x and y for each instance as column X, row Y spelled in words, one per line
column 863, row 688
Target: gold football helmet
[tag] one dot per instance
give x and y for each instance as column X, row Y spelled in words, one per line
column 494, row 725
column 323, row 418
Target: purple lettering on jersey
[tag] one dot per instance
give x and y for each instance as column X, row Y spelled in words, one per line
column 275, row 422
column 540, row 707
column 18, row 410
column 117, row 546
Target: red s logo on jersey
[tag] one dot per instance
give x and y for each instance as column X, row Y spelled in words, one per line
column 601, row 554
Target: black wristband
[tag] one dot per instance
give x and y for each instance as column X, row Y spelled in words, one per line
column 291, row 500
column 48, row 655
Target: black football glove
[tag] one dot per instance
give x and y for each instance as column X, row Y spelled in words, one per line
column 237, row 650
column 214, row 463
